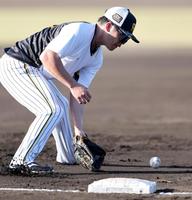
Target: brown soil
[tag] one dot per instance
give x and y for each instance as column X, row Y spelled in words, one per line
column 141, row 107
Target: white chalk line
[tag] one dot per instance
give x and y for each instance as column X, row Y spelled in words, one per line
column 38, row 190
column 78, row 191
column 175, row 193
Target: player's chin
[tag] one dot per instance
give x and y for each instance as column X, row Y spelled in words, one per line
column 111, row 48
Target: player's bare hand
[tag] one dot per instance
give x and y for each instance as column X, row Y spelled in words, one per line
column 81, row 94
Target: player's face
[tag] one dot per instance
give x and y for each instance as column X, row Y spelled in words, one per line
column 116, row 38
column 123, row 38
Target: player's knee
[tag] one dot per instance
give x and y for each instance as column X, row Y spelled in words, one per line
column 57, row 110
column 52, row 111
column 63, row 105
column 64, row 102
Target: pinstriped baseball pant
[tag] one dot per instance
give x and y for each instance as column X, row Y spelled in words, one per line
column 40, row 96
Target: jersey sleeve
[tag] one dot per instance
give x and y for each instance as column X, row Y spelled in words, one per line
column 87, row 74
column 65, row 42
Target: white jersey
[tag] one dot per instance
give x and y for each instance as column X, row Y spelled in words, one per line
column 28, row 81
column 73, row 47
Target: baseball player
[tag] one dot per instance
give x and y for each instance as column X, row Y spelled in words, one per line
column 70, row 53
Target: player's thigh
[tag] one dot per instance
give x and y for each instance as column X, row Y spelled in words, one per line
column 27, row 85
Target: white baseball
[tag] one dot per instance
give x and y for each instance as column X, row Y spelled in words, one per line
column 155, row 162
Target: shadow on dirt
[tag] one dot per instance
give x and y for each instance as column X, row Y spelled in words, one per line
column 4, row 171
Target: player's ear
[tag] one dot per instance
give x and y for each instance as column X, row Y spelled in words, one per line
column 108, row 26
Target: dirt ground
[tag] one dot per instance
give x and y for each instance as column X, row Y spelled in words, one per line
column 142, row 106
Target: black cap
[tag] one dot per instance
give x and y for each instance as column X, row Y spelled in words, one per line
column 124, row 19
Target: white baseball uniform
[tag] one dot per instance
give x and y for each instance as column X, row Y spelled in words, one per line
column 24, row 77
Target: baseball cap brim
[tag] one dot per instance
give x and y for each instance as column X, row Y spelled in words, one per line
column 130, row 35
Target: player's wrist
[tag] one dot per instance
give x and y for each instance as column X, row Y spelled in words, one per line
column 80, row 133
column 72, row 84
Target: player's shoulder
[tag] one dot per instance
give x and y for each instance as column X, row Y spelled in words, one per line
column 80, row 26
column 82, row 31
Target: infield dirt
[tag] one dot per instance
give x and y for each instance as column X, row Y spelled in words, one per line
column 141, row 107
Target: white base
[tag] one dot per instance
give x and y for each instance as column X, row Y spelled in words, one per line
column 122, row 185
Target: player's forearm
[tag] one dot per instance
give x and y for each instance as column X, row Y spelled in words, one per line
column 53, row 64
column 77, row 112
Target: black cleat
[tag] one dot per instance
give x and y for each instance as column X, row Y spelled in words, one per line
column 30, row 169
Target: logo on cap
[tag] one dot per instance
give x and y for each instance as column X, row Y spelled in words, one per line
column 133, row 27
column 116, row 17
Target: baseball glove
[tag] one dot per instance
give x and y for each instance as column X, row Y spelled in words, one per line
column 88, row 154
